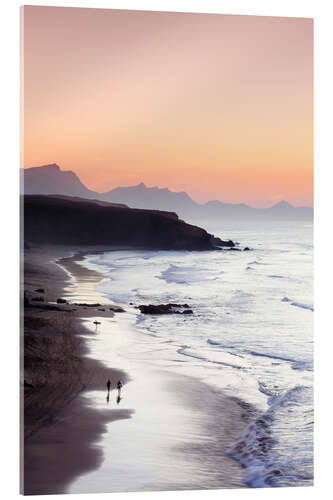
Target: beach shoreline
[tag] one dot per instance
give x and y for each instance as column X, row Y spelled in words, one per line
column 51, row 404
column 73, row 427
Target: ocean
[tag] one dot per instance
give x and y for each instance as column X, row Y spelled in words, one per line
column 250, row 335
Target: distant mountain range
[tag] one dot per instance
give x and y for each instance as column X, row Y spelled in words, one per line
column 50, row 179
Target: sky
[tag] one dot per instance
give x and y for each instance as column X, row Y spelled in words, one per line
column 219, row 106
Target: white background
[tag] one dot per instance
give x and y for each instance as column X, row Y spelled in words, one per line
column 322, row 11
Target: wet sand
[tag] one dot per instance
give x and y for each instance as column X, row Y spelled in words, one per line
column 168, row 432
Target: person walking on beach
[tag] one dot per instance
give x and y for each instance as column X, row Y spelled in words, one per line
column 119, row 386
column 108, row 385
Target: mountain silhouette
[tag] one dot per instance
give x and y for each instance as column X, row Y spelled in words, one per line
column 50, row 179
column 141, row 196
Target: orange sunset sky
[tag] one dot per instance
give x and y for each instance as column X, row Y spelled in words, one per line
column 218, row 106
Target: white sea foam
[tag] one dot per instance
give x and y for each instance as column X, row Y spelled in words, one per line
column 260, row 452
column 188, row 274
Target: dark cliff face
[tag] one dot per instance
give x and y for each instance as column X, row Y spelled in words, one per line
column 55, row 220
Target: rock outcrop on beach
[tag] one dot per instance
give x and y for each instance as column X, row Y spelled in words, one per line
column 165, row 309
column 67, row 221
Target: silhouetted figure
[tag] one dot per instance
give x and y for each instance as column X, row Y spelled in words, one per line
column 96, row 323
column 108, row 397
column 119, row 386
column 108, row 385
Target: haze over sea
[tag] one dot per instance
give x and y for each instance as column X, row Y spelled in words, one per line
column 250, row 334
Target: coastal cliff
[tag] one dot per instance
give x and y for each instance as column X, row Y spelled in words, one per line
column 76, row 221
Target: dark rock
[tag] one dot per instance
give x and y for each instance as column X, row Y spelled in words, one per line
column 40, row 290
column 234, row 249
column 186, row 306
column 246, row 249
column 87, row 305
column 222, row 243
column 164, row 309
column 38, row 299
column 48, row 307
column 151, row 309
column 117, row 309
column 188, row 311
column 61, row 301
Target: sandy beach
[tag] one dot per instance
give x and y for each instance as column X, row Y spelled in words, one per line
column 75, row 441
column 56, row 365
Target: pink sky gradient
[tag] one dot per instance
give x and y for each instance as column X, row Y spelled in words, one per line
column 219, row 106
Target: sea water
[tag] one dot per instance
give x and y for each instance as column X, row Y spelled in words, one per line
column 250, row 335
